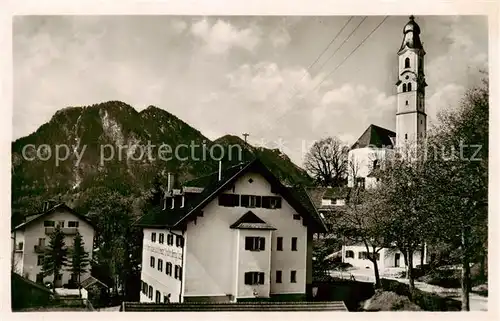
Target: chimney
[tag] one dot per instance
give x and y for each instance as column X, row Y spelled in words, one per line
column 220, row 170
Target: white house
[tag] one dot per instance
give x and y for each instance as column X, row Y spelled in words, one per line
column 31, row 238
column 387, row 258
column 235, row 235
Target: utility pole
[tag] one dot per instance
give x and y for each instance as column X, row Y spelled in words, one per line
column 245, row 135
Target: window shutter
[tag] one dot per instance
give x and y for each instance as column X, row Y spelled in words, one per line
column 279, row 243
column 278, row 202
column 248, row 243
column 258, row 201
column 262, row 244
column 261, row 278
column 245, row 200
column 248, row 278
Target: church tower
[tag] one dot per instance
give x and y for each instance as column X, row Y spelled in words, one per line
column 411, row 119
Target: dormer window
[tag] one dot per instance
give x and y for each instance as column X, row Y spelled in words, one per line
column 407, row 63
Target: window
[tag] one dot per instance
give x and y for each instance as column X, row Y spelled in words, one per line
column 340, row 201
column 230, row 200
column 421, row 121
column 49, row 223
column 59, row 277
column 153, row 237
column 20, row 246
column 161, row 238
column 366, row 255
column 144, row 288
column 179, row 241
column 168, row 268
column 158, row 297
column 406, row 136
column 279, row 243
column 39, row 278
column 293, row 276
column 294, row 244
column 297, row 216
column 255, row 243
column 271, row 202
column 360, row 182
column 170, row 239
column 60, row 224
column 41, row 241
column 278, row 276
column 407, row 103
column 178, row 272
column 152, row 261
column 251, row 201
column 376, row 164
column 39, row 260
column 73, row 224
column 404, row 87
column 252, row 278
column 160, row 265
column 349, row 254
column 409, row 86
column 407, row 63
column 150, row 292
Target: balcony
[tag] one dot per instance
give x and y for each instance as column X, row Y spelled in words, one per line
column 40, row 248
column 65, row 230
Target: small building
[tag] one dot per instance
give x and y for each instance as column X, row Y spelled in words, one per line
column 387, row 258
column 31, row 238
column 238, row 234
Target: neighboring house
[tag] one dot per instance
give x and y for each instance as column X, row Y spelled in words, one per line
column 235, row 235
column 377, row 144
column 31, row 238
column 387, row 258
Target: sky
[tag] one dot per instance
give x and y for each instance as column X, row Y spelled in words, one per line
column 234, row 74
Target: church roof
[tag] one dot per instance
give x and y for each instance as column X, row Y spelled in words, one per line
column 411, row 37
column 375, row 136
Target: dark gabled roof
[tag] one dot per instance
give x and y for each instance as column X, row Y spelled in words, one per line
column 31, row 283
column 299, row 193
column 32, row 218
column 375, row 136
column 174, row 218
column 239, row 306
column 251, row 221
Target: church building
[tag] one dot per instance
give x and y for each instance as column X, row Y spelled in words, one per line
column 377, row 143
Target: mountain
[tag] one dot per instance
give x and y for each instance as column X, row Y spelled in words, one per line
column 87, row 137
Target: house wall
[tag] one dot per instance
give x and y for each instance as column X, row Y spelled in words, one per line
column 253, row 261
column 17, row 237
column 36, row 230
column 211, row 252
column 362, row 160
column 160, row 280
column 387, row 258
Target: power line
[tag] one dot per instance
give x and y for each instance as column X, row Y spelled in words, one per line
column 342, row 44
column 328, row 46
column 350, row 54
column 342, row 62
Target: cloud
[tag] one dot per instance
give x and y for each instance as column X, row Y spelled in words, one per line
column 280, row 37
column 457, row 68
column 222, row 36
column 178, row 25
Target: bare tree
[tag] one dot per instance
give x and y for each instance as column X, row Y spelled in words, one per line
column 326, row 161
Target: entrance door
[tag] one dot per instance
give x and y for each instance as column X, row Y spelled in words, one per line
column 396, row 259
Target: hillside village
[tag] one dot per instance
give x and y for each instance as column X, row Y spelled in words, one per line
column 360, row 228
